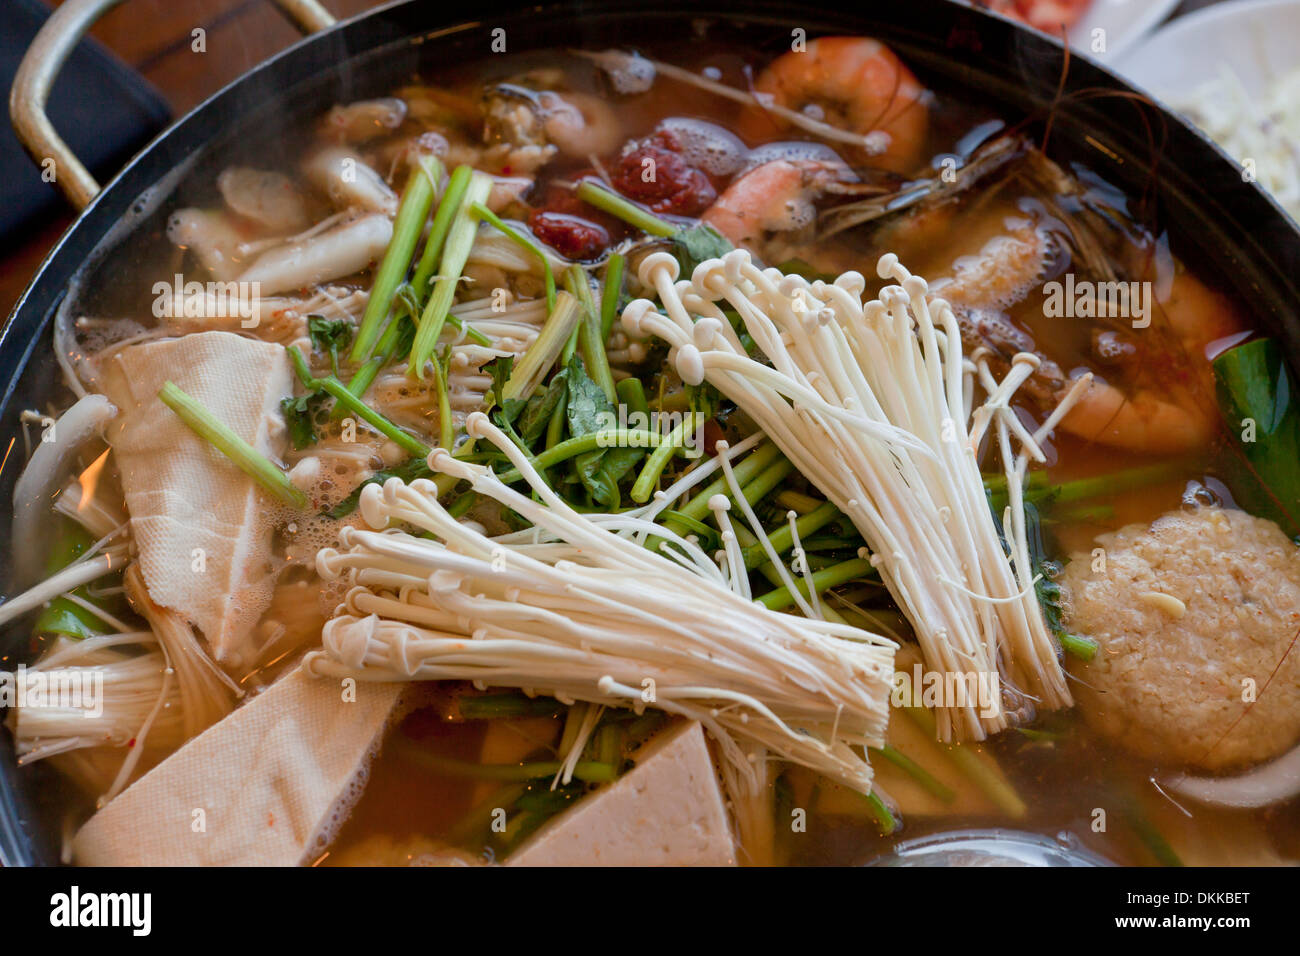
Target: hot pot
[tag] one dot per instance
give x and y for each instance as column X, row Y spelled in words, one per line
column 1186, row 184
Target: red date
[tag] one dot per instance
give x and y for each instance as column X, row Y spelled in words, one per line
column 655, row 175
column 571, row 236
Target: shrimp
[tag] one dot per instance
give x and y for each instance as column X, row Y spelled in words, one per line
column 849, row 82
column 774, row 197
column 982, row 286
column 1169, row 412
column 1156, row 402
column 1147, row 420
column 1002, row 271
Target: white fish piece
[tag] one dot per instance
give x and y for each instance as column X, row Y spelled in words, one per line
column 202, row 527
column 340, row 252
column 273, row 782
column 213, row 236
column 228, row 306
column 350, row 183
column 364, row 120
column 668, row 811
column 268, row 198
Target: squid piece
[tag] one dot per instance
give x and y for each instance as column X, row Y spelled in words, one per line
column 267, row 198
column 364, row 120
column 344, row 176
column 213, row 236
column 330, row 255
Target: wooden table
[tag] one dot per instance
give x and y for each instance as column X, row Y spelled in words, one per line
column 155, row 37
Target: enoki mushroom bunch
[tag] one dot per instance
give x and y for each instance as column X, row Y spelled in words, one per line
column 588, row 614
column 873, row 402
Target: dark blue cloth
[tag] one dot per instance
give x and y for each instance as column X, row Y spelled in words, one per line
column 103, row 110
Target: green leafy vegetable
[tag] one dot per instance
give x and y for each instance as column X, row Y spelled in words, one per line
column 1257, row 396
column 62, row 616
column 506, row 706
column 591, row 342
column 542, row 406
column 780, row 599
column 691, row 244
column 697, row 244
column 300, row 417
column 507, row 409
column 408, row 471
column 884, row 817
column 918, row 773
column 331, row 385
column 329, row 335
column 632, row 214
column 612, row 294
column 540, row 357
column 542, row 799
column 455, row 253
column 1048, row 591
column 1049, row 599
column 452, row 198
column 589, row 410
column 588, row 771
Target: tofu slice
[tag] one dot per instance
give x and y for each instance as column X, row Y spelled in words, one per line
column 666, row 811
column 267, row 786
column 203, row 528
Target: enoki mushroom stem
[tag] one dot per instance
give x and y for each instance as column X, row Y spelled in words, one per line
column 585, row 613
column 873, row 402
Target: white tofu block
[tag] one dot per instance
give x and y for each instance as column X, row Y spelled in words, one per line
column 667, row 811
column 267, row 786
column 203, row 527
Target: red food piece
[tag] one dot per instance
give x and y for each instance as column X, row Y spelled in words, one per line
column 570, row 226
column 655, row 175
column 571, row 236
column 562, row 199
column 1046, row 15
column 713, row 434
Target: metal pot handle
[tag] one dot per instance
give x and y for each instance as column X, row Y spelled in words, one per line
column 42, row 62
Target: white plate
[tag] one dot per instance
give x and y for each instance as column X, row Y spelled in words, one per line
column 1124, row 23
column 1121, row 22
column 1258, row 39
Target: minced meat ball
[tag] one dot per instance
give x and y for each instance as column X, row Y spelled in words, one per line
column 1187, row 609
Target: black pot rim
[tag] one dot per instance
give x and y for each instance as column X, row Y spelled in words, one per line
column 1237, row 225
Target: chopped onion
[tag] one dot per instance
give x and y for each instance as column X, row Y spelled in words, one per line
column 1264, row 785
column 44, row 476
